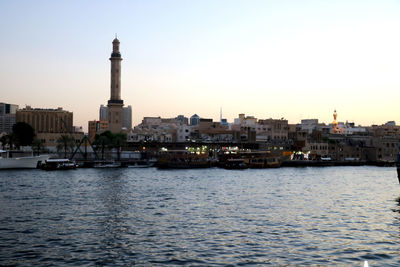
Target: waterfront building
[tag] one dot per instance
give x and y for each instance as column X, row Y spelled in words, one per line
column 46, row 120
column 385, row 130
column 7, row 117
column 183, row 133
column 49, row 124
column 97, row 127
column 115, row 103
column 154, row 129
column 272, row 129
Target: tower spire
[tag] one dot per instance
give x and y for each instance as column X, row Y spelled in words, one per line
column 115, row 103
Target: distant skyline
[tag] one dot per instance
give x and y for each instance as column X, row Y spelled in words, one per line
column 268, row 59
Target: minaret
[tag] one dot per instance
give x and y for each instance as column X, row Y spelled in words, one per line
column 115, row 103
column 335, row 123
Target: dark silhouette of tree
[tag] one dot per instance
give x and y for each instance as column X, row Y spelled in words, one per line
column 119, row 140
column 101, row 142
column 3, row 141
column 38, row 146
column 10, row 140
column 24, row 133
column 108, row 140
column 65, row 143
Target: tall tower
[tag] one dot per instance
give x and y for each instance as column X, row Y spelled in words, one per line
column 115, row 103
column 335, row 128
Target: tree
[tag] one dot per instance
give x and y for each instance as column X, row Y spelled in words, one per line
column 24, row 133
column 109, row 140
column 38, row 145
column 65, row 143
column 3, row 140
column 101, row 142
column 118, row 141
column 10, row 140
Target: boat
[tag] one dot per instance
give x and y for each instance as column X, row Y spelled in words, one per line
column 23, row 162
column 260, row 159
column 108, row 165
column 142, row 164
column 235, row 164
column 58, row 164
column 182, row 159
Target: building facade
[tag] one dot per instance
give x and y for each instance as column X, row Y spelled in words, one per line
column 7, row 117
column 96, row 127
column 46, row 120
column 127, row 117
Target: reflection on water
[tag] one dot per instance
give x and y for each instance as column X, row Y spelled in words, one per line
column 303, row 216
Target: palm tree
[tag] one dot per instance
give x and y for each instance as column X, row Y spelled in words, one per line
column 65, row 143
column 118, row 141
column 38, row 145
column 3, row 141
column 101, row 141
column 10, row 140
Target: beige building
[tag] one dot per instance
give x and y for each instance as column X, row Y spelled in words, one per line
column 46, row 120
column 50, row 139
column 271, row 129
column 97, row 127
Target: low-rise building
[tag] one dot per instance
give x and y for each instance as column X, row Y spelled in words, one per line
column 96, row 127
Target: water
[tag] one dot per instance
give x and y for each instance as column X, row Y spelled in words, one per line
column 287, row 216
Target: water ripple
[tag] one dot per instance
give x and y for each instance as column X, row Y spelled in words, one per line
column 122, row 217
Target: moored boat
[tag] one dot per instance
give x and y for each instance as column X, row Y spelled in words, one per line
column 58, row 164
column 23, row 162
column 182, row 159
column 235, row 164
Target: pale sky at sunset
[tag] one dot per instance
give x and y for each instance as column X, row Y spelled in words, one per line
column 269, row 59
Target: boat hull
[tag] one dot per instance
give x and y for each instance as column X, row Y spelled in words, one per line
column 22, row 162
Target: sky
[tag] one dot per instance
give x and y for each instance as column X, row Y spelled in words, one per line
column 269, row 59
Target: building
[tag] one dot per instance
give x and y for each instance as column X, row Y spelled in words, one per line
column 194, row 120
column 97, row 127
column 46, row 120
column 127, row 117
column 115, row 103
column 272, row 129
column 7, row 117
column 49, row 124
column 182, row 119
column 103, row 113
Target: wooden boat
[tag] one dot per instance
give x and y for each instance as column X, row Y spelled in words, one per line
column 260, row 159
column 182, row 159
column 235, row 164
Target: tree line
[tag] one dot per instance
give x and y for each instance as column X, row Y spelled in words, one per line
column 23, row 134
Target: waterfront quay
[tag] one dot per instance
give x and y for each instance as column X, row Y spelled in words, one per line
column 217, row 153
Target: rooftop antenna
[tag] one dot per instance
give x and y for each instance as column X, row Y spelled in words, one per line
column 220, row 114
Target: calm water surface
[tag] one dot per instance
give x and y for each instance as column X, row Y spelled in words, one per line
column 288, row 216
